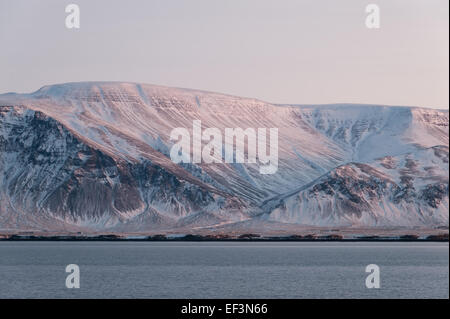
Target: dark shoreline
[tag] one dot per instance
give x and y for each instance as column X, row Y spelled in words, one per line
column 229, row 240
column 197, row 238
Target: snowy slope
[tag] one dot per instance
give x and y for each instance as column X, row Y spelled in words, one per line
column 373, row 131
column 95, row 154
column 405, row 190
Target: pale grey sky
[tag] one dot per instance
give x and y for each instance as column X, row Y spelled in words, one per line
column 282, row 51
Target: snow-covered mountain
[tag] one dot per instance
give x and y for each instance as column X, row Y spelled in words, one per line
column 95, row 156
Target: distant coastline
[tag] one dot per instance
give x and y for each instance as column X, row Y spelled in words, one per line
column 228, row 238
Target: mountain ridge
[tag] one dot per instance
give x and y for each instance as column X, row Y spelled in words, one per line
column 122, row 137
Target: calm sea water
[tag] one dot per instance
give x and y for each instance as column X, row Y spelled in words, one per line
column 223, row 270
